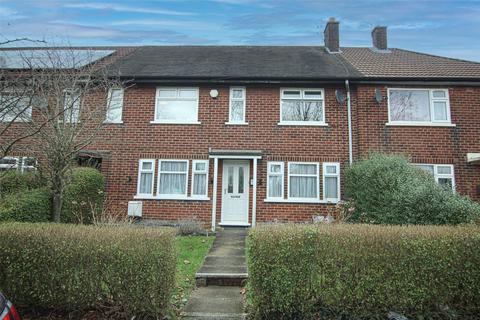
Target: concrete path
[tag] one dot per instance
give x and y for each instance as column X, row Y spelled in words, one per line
column 220, row 280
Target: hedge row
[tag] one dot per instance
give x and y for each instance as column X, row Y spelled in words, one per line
column 26, row 206
column 363, row 271
column 70, row 267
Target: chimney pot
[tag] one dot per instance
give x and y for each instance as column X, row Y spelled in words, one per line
column 379, row 37
column 331, row 35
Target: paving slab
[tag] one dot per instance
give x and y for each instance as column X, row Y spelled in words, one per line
column 220, row 279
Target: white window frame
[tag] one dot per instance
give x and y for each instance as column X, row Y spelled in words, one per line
column 231, row 99
column 302, row 97
column 8, row 166
column 67, row 109
column 26, row 116
column 336, row 175
column 432, row 121
column 177, row 89
column 109, row 97
column 317, row 198
column 195, row 171
column 23, row 166
column 140, row 171
column 281, row 173
column 172, row 196
column 437, row 175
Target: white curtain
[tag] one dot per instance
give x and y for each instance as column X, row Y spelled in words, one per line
column 331, row 187
column 173, row 183
column 176, row 181
column 200, row 184
column 303, row 187
column 275, row 186
column 146, row 183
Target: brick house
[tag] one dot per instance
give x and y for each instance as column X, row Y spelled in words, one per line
column 237, row 135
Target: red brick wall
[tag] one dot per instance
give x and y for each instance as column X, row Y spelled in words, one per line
column 436, row 145
column 137, row 138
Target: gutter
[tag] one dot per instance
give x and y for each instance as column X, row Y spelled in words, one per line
column 349, row 113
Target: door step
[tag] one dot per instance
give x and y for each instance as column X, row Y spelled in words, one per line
column 214, row 316
column 221, row 279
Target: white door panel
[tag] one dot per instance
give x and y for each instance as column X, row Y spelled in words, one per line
column 235, row 189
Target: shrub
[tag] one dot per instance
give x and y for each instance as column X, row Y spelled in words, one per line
column 363, row 271
column 83, row 195
column 15, row 181
column 69, row 267
column 387, row 189
column 26, row 206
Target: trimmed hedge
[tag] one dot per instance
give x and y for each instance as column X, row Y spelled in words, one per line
column 84, row 195
column 32, row 205
column 71, row 267
column 15, row 181
column 387, row 189
column 363, row 271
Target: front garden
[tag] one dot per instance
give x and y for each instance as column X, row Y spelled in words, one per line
column 400, row 245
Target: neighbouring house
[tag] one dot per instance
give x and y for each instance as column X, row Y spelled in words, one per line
column 237, row 135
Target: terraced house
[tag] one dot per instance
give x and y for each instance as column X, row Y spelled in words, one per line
column 238, row 135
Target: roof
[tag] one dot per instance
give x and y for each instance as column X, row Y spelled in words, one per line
column 55, row 58
column 398, row 63
column 234, row 62
column 281, row 63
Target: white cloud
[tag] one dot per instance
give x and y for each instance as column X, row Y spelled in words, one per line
column 123, row 8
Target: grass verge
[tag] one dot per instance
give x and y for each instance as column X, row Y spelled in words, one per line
column 191, row 253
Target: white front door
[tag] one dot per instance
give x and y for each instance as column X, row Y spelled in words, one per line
column 235, row 188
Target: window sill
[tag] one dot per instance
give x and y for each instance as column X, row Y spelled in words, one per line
column 148, row 197
column 300, row 201
column 236, row 123
column 314, row 124
column 112, row 122
column 420, row 124
column 173, row 122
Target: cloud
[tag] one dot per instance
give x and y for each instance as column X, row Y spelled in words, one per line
column 10, row 13
column 164, row 23
column 123, row 8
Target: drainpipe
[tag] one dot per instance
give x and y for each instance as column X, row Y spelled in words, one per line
column 349, row 112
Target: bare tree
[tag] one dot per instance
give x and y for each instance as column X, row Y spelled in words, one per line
column 53, row 106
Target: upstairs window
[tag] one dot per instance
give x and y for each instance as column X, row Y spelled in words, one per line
column 237, row 105
column 176, row 105
column 442, row 173
column 71, row 106
column 418, row 106
column 302, row 106
column 15, row 107
column 114, row 105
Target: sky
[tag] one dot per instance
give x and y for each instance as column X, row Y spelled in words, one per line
column 440, row 27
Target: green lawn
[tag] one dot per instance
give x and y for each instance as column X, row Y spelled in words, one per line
column 191, row 252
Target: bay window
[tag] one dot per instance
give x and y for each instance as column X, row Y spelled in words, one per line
column 176, row 105
column 71, row 106
column 418, row 106
column 302, row 106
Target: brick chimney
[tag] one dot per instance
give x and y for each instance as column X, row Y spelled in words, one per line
column 331, row 36
column 379, row 38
